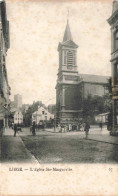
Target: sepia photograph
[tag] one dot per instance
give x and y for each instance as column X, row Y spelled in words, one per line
column 58, row 90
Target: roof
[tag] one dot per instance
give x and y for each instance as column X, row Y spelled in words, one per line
column 103, row 114
column 67, row 34
column 94, row 78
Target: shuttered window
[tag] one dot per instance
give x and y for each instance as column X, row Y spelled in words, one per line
column 70, row 58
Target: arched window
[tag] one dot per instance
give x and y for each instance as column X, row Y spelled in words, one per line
column 70, row 59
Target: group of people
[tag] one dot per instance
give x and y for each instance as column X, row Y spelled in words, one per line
column 81, row 127
column 85, row 126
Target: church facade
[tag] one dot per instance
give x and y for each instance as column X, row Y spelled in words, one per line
column 72, row 87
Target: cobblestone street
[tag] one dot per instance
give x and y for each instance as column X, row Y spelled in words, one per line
column 54, row 147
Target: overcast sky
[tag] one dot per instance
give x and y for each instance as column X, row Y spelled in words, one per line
column 36, row 28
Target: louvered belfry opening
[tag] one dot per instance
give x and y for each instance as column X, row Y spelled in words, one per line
column 69, row 59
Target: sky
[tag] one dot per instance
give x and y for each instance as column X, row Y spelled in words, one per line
column 37, row 27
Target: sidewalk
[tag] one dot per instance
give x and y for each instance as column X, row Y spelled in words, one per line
column 13, row 149
column 103, row 138
column 95, row 134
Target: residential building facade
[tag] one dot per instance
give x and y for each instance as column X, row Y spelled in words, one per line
column 18, row 117
column 41, row 115
column 4, row 85
column 113, row 21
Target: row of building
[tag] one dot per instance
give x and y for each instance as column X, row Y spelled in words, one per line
column 40, row 116
column 4, row 84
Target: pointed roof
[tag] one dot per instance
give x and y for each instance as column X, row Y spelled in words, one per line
column 67, row 34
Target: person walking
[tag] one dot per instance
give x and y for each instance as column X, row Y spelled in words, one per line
column 34, row 129
column 101, row 125
column 86, row 129
column 15, row 129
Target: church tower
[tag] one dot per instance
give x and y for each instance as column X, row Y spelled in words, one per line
column 67, row 96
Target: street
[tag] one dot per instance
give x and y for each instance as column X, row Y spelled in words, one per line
column 54, row 147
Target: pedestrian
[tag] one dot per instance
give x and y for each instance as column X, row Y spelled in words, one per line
column 30, row 128
column 15, row 129
column 86, row 129
column 70, row 127
column 101, row 125
column 34, row 129
column 83, row 126
column 59, row 128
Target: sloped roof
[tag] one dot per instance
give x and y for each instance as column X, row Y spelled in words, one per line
column 70, row 43
column 94, row 78
column 67, row 34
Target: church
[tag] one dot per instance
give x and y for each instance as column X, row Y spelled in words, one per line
column 72, row 87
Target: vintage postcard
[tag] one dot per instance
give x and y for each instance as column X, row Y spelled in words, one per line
column 59, row 97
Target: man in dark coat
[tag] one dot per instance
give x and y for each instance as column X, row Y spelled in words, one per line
column 86, row 129
column 34, row 128
column 15, row 130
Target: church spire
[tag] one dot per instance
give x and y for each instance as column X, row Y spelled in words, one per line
column 67, row 34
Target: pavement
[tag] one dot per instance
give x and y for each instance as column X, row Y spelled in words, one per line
column 71, row 147
column 13, row 149
column 95, row 133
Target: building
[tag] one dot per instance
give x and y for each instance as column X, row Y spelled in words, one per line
column 18, row 101
column 18, row 117
column 41, row 115
column 4, row 85
column 113, row 21
column 102, row 118
column 72, row 87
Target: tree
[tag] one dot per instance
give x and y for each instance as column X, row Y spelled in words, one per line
column 93, row 106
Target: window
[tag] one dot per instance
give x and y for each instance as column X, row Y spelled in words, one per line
column 69, row 58
column 116, row 40
column 117, row 73
column 65, row 57
column 43, row 112
column 74, row 59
